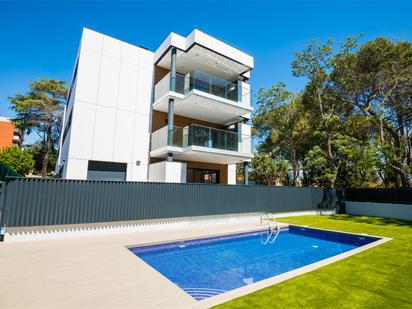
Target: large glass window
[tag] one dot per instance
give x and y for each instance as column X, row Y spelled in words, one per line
column 195, row 175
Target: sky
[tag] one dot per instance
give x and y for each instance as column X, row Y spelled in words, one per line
column 40, row 39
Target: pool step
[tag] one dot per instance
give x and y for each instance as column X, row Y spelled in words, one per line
column 202, row 293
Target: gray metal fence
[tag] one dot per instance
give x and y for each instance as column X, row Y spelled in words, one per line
column 32, row 202
column 2, row 187
column 387, row 195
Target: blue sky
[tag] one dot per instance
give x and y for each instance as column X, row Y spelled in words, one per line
column 40, row 39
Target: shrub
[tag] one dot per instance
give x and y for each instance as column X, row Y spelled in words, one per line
column 21, row 160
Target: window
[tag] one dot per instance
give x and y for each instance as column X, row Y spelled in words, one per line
column 100, row 170
column 195, row 175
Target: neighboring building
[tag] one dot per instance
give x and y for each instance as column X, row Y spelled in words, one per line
column 180, row 114
column 9, row 134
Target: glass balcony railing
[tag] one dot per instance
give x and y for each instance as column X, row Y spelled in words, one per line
column 196, row 135
column 160, row 137
column 205, row 83
column 214, row 86
column 210, row 137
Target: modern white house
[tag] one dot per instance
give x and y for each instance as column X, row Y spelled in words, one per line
column 179, row 114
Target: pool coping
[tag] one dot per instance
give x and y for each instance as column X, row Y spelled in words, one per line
column 245, row 231
column 244, row 290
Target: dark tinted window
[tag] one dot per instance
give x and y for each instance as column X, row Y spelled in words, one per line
column 99, row 170
column 202, row 176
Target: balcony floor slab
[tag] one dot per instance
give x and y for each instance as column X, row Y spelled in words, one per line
column 202, row 154
column 203, row 106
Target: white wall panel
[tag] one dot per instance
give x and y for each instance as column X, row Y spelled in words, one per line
column 245, row 129
column 109, row 82
column 112, row 47
column 168, row 172
column 92, row 40
column 175, row 172
column 141, row 138
column 82, row 127
column 130, row 53
column 129, row 171
column 123, row 141
column 245, row 93
column 88, row 76
column 127, row 87
column 231, row 174
column 76, row 169
column 146, row 59
column 144, row 91
column 157, row 171
column 139, row 173
column 104, row 131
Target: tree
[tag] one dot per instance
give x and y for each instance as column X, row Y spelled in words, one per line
column 21, row 160
column 282, row 124
column 375, row 80
column 40, row 110
column 371, row 83
column 352, row 124
column 269, row 170
column 38, row 151
column 315, row 63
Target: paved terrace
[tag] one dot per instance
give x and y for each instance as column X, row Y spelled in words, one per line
column 96, row 271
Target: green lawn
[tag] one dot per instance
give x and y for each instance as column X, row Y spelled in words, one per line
column 380, row 277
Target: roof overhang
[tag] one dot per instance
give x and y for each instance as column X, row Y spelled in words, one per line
column 201, row 52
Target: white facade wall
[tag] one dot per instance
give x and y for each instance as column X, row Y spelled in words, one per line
column 231, row 174
column 245, row 142
column 168, row 172
column 111, row 107
column 157, row 172
column 244, row 93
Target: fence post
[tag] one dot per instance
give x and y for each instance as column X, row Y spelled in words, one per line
column 340, row 201
column 2, row 210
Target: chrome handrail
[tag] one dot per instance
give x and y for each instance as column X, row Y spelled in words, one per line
column 270, row 219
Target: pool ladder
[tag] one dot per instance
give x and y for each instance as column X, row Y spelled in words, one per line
column 273, row 228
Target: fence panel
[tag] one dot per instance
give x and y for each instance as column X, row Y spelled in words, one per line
column 34, row 201
column 2, row 188
column 391, row 196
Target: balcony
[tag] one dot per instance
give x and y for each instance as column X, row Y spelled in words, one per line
column 205, row 97
column 204, row 144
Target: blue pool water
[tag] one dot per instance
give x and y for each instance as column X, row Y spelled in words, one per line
column 210, row 266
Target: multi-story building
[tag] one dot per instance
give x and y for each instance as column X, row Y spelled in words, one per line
column 9, row 134
column 179, row 114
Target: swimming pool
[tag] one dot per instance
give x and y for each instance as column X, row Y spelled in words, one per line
column 210, row 266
